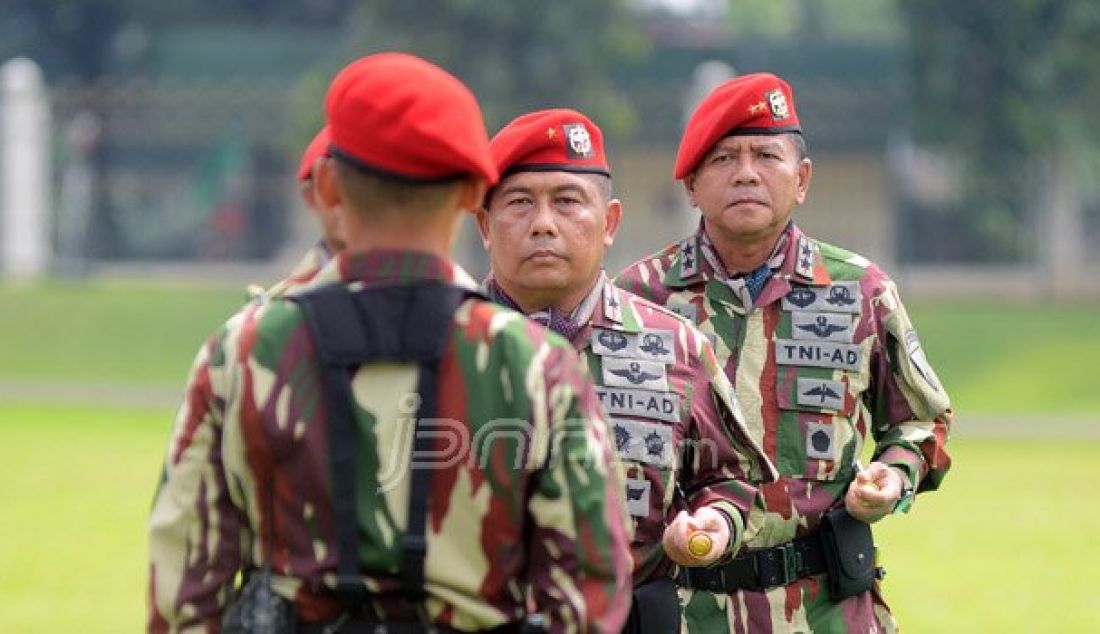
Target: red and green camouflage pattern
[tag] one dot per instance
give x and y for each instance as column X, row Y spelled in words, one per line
column 529, row 510
column 824, row 363
column 315, row 259
column 695, row 408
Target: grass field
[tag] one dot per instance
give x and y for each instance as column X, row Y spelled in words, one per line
column 994, row 358
column 993, row 552
column 1006, row 547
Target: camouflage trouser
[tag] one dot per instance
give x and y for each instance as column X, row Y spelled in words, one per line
column 802, row 607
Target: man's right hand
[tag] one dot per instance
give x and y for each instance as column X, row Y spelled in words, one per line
column 687, row 535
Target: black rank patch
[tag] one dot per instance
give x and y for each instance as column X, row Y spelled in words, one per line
column 819, row 441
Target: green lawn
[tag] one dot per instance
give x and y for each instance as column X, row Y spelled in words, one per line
column 993, row 358
column 76, row 495
column 1006, row 358
column 106, row 332
column 1007, row 546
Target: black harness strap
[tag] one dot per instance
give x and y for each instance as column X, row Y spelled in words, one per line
column 402, row 324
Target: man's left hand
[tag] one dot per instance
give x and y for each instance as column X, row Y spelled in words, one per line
column 874, row 492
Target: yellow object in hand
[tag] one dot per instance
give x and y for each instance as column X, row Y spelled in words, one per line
column 700, row 544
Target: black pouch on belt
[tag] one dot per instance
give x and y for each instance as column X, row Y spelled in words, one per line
column 655, row 608
column 258, row 610
column 849, row 554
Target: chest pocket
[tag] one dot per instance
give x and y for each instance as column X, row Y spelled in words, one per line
column 819, row 380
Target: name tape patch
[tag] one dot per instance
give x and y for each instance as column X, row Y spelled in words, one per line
column 642, row 403
column 818, row 354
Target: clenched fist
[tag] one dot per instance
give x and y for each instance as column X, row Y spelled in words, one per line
column 874, row 492
column 697, row 539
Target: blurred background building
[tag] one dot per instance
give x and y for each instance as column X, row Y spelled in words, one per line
column 955, row 141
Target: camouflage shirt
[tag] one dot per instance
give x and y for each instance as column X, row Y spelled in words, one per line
column 315, row 259
column 530, row 512
column 675, row 421
column 824, row 363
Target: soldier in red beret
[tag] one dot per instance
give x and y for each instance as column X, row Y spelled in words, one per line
column 824, row 359
column 329, row 243
column 546, row 227
column 382, row 449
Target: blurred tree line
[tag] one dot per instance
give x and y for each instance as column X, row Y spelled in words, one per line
column 1000, row 91
column 1007, row 90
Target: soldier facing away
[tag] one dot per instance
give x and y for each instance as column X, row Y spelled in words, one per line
column 381, row 449
column 824, row 360
column 675, row 422
column 330, row 242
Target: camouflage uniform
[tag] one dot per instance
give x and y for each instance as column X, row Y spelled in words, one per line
column 658, row 379
column 246, row 479
column 315, row 259
column 824, row 362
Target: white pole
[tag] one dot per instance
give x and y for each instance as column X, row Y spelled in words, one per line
column 24, row 179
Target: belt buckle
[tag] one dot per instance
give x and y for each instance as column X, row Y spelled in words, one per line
column 792, row 562
column 777, row 566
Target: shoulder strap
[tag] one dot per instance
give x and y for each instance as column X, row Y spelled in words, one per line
column 349, row 328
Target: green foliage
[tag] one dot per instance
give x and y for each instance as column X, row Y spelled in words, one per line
column 841, row 20
column 518, row 56
column 1002, row 85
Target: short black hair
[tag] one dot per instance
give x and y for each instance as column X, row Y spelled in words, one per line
column 372, row 190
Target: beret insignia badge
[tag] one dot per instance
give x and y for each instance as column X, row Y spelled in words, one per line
column 777, row 101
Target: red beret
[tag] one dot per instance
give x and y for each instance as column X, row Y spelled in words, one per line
column 403, row 116
column 559, row 140
column 317, row 148
column 760, row 103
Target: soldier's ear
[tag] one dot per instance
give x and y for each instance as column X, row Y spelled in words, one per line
column 483, row 227
column 805, row 175
column 689, row 188
column 471, row 194
column 326, row 183
column 612, row 220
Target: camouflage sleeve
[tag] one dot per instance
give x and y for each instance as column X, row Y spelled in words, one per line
column 580, row 562
column 643, row 279
column 194, row 545
column 724, row 458
column 911, row 411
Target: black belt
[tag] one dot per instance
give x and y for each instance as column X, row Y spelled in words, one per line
column 364, row 623
column 760, row 569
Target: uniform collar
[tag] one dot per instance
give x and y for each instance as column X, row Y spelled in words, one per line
column 379, row 267
column 802, row 263
column 602, row 304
